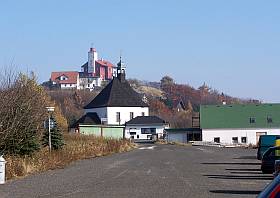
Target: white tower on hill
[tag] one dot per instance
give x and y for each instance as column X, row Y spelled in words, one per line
column 92, row 57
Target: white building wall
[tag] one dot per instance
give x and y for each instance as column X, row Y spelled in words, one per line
column 89, row 83
column 125, row 113
column 111, row 112
column 68, row 86
column 137, row 129
column 226, row 135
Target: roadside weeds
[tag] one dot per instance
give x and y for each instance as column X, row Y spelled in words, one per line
column 77, row 147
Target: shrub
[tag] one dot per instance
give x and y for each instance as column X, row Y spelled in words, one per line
column 22, row 111
column 56, row 136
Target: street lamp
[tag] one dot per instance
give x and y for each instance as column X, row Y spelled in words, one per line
column 50, row 109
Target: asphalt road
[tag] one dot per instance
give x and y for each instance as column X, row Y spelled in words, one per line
column 151, row 171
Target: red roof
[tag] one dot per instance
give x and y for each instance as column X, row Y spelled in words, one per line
column 104, row 63
column 70, row 75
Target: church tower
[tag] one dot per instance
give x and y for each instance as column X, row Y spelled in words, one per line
column 121, row 70
column 92, row 58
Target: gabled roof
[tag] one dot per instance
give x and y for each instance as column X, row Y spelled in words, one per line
column 104, row 63
column 71, row 75
column 239, row 115
column 178, row 104
column 101, row 62
column 89, row 118
column 117, row 94
column 85, row 64
column 150, row 120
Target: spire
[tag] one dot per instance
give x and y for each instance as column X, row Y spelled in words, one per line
column 121, row 70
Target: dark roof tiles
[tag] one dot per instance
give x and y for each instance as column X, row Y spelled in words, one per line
column 146, row 120
column 117, row 94
column 89, row 118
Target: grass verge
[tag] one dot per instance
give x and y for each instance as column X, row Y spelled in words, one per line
column 77, row 147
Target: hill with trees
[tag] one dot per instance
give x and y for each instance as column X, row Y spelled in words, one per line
column 163, row 98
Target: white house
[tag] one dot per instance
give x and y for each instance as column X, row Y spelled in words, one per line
column 65, row 79
column 145, row 128
column 240, row 123
column 118, row 103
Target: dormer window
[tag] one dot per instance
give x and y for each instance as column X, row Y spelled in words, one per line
column 63, row 78
column 252, row 120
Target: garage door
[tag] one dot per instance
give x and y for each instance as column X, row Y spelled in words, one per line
column 177, row 137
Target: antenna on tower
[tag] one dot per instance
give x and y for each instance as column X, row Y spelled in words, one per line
column 91, row 45
column 120, row 54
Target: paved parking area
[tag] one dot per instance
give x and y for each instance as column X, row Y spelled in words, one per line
column 151, row 171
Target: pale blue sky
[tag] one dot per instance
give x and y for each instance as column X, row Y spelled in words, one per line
column 234, row 46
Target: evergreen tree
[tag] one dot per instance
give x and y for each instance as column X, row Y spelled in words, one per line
column 56, row 136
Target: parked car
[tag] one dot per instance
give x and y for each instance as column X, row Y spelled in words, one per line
column 268, row 159
column 272, row 190
column 266, row 141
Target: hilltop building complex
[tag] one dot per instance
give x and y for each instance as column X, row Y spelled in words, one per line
column 93, row 73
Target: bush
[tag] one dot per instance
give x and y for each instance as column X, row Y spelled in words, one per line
column 56, row 136
column 22, row 111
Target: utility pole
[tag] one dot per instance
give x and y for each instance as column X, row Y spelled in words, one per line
column 50, row 137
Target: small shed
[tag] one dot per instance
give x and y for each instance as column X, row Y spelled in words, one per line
column 183, row 135
column 90, row 124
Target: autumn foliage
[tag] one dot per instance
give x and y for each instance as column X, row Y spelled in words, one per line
column 166, row 106
column 163, row 98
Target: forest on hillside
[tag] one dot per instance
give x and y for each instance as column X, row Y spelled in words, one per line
column 163, row 98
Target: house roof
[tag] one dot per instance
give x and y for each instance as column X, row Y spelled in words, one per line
column 178, row 103
column 238, row 116
column 104, row 63
column 89, row 118
column 146, row 120
column 85, row 64
column 117, row 94
column 71, row 75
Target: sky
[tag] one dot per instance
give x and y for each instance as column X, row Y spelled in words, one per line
column 233, row 46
